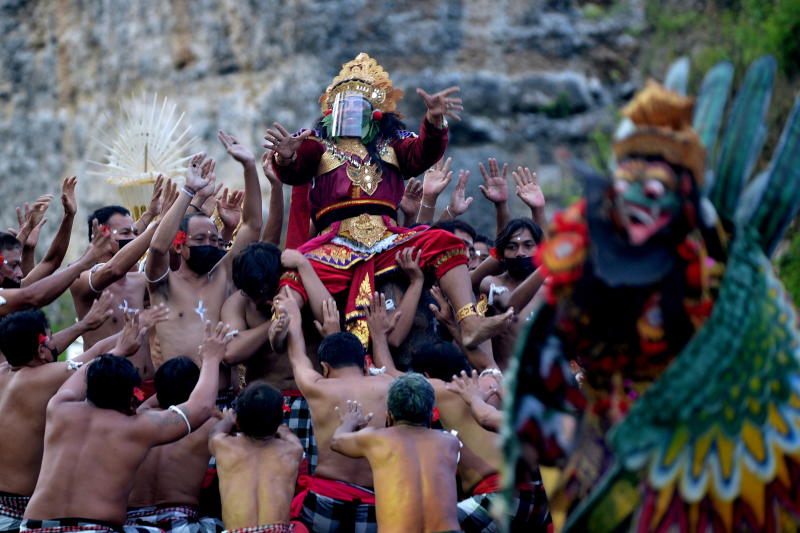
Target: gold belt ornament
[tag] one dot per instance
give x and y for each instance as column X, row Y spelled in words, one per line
column 364, row 229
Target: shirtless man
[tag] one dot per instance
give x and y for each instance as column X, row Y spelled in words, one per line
column 258, row 464
column 516, row 287
column 340, row 496
column 414, row 466
column 49, row 288
column 196, row 291
column 166, row 490
column 29, row 378
column 94, row 441
column 481, row 457
column 114, row 275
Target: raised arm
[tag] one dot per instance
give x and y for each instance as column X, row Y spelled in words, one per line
column 407, row 310
column 58, row 247
column 459, row 202
column 305, row 375
column 30, row 227
column 272, row 227
column 153, row 208
column 528, row 190
column 351, row 438
column 410, row 203
column 315, row 290
column 296, row 156
column 470, row 390
column 415, row 155
column 48, row 289
column 434, row 181
column 495, row 189
column 99, row 312
column 523, row 294
column 197, row 177
column 251, row 212
column 380, row 323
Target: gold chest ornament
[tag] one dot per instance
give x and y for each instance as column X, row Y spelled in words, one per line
column 360, row 171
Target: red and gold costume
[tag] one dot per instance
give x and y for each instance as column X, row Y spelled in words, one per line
column 353, row 200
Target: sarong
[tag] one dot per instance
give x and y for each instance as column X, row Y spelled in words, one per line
column 298, row 417
column 69, row 525
column 292, row 527
column 342, row 264
column 12, row 509
column 528, row 512
column 330, row 506
column 174, row 518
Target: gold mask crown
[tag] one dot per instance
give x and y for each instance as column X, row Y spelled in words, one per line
column 663, row 120
column 364, row 75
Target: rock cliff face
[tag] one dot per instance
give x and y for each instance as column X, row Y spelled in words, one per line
column 535, row 75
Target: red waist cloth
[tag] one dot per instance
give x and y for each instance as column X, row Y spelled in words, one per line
column 491, row 483
column 330, row 488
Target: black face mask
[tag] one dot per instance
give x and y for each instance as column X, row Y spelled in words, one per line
column 10, row 283
column 203, row 258
column 123, row 242
column 519, row 267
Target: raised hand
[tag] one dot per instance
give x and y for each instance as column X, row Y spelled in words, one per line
column 468, row 387
column 236, row 150
column 292, row 259
column 442, row 310
column 458, row 201
column 528, row 187
column 495, row 187
column 436, row 179
column 68, row 201
column 198, row 174
column 269, row 172
column 102, row 244
column 409, row 262
column 215, row 340
column 154, row 207
column 330, row 318
column 379, row 321
column 131, row 337
column 229, row 207
column 441, row 104
column 283, row 143
column 153, row 315
column 100, row 311
column 353, row 415
column 169, row 194
column 412, row 196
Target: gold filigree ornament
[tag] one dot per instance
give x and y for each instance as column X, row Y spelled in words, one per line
column 663, row 121
column 365, row 176
column 364, row 229
column 365, row 76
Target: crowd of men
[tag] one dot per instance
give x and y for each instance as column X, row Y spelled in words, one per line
column 211, row 395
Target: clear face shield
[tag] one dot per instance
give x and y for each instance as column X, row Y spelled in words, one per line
column 347, row 113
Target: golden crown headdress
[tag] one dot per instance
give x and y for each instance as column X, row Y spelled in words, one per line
column 663, row 121
column 364, row 75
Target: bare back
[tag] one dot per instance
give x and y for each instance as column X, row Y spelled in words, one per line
column 24, row 394
column 415, row 478
column 256, row 477
column 485, row 457
column 328, row 393
column 172, row 474
column 90, row 458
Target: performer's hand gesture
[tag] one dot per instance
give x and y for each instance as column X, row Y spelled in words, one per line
column 459, row 203
column 269, row 172
column 201, row 171
column 409, row 262
column 441, row 104
column 435, row 180
column 496, row 184
column 283, row 143
column 229, row 207
column 68, row 200
column 528, row 187
column 379, row 321
column 412, row 196
column 330, row 318
column 352, row 416
column 238, row 151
